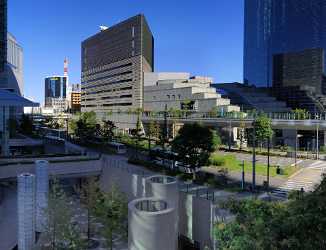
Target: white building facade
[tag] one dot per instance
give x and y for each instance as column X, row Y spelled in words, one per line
column 179, row 91
column 12, row 77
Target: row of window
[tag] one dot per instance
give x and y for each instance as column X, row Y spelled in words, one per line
column 106, row 77
column 173, row 97
column 110, row 105
column 108, row 97
column 105, row 84
column 94, row 71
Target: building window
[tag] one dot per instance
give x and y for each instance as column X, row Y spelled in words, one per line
column 133, row 31
column 168, row 96
column 179, row 96
column 173, row 97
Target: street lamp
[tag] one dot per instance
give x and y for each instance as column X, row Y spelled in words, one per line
column 296, row 148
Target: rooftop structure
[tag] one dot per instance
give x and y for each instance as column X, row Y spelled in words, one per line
column 181, row 92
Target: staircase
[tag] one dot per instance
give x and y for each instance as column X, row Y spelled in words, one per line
column 250, row 97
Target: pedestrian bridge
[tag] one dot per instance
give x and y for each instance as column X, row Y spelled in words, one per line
column 58, row 167
column 277, row 123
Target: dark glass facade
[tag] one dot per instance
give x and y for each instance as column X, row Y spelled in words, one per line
column 3, row 35
column 55, row 87
column 280, row 26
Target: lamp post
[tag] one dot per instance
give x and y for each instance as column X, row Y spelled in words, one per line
column 296, row 148
column 254, row 159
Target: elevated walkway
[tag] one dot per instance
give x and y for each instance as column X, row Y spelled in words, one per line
column 60, row 168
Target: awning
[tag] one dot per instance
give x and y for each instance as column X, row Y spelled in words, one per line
column 11, row 99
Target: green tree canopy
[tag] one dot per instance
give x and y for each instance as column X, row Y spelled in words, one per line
column 107, row 130
column 299, row 223
column 263, row 128
column 84, row 126
column 195, row 143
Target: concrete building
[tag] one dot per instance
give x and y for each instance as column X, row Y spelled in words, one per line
column 15, row 65
column 11, row 78
column 11, row 56
column 180, row 91
column 113, row 63
column 74, row 98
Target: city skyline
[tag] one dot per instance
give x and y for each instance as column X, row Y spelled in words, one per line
column 211, row 47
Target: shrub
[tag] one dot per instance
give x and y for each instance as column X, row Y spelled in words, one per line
column 217, row 161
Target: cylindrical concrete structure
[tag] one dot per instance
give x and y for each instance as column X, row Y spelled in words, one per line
column 42, row 192
column 165, row 188
column 151, row 225
column 26, row 211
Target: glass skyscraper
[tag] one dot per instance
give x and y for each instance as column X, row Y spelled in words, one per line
column 55, row 88
column 279, row 26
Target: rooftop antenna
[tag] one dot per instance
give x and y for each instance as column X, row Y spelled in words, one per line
column 103, row 27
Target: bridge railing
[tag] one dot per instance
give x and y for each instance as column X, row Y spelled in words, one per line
column 235, row 115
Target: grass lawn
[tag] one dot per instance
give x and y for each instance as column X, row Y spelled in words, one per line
column 234, row 165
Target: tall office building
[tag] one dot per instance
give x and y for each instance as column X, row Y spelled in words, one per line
column 113, row 63
column 11, row 56
column 14, row 65
column 280, row 26
column 3, row 43
column 55, row 92
column 3, row 34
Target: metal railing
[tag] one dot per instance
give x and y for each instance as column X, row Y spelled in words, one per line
column 235, row 115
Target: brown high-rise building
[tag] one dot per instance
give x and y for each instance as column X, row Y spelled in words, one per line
column 113, row 63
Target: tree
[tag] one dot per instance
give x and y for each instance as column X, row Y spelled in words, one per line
column 86, row 126
column 90, row 196
column 137, row 134
column 263, row 131
column 194, row 144
column 153, row 132
column 59, row 228
column 300, row 114
column 296, row 224
column 113, row 214
column 108, row 128
column 263, row 128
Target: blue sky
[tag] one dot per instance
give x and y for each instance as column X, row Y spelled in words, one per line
column 201, row 37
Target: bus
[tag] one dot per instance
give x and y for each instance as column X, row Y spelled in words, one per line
column 118, row 148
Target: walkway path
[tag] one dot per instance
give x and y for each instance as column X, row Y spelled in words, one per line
column 307, row 178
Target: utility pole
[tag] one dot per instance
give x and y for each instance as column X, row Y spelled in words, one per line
column 243, row 176
column 317, row 142
column 230, row 135
column 165, row 129
column 268, row 160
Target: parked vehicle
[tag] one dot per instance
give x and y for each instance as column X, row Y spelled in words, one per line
column 118, row 148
